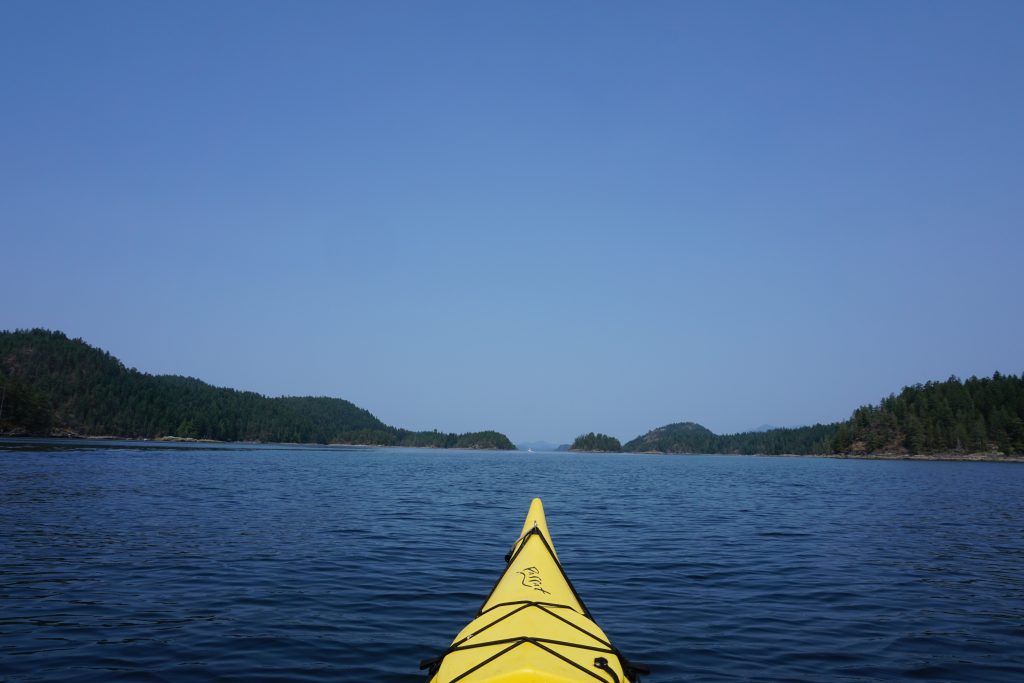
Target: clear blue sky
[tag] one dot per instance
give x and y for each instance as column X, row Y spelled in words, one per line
column 542, row 218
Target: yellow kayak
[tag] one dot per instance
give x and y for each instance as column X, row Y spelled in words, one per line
column 533, row 627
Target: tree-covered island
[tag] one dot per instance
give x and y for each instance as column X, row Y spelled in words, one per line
column 50, row 384
column 981, row 418
column 596, row 443
column 690, row 437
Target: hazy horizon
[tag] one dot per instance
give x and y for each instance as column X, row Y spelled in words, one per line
column 545, row 220
column 529, row 439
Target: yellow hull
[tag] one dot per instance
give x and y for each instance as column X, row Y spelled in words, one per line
column 533, row 627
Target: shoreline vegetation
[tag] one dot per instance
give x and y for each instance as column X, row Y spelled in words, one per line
column 51, row 385
column 57, row 387
column 974, row 420
column 595, row 443
column 930, row 457
column 71, row 436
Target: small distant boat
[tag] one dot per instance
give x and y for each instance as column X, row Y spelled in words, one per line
column 533, row 627
column 529, row 450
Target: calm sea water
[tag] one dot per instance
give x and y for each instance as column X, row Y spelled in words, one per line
column 218, row 563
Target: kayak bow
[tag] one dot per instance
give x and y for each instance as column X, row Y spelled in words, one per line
column 533, row 627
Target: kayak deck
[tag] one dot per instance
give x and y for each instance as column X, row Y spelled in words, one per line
column 533, row 627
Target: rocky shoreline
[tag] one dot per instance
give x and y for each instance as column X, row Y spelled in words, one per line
column 949, row 457
column 952, row 457
column 946, row 457
column 66, row 434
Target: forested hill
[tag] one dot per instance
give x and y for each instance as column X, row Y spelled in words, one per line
column 690, row 437
column 596, row 443
column 976, row 416
column 49, row 382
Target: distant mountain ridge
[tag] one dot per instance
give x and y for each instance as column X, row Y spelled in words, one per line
column 537, row 446
column 51, row 382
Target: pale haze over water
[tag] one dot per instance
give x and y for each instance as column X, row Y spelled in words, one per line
column 543, row 220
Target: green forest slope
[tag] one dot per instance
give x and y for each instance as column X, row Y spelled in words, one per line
column 690, row 437
column 596, row 443
column 49, row 382
column 974, row 416
column 953, row 417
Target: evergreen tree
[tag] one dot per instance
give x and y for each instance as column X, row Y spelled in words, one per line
column 977, row 415
column 596, row 443
column 49, row 381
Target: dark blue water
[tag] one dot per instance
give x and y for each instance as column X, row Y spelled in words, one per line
column 302, row 564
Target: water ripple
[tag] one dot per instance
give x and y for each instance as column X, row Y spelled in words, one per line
column 199, row 563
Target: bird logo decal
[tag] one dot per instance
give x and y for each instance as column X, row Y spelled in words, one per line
column 532, row 579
